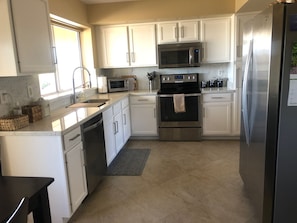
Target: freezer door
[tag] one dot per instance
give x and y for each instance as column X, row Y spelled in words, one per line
column 256, row 52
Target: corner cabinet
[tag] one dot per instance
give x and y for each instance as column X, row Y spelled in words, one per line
column 180, row 31
column 217, row 110
column 127, row 46
column 143, row 115
column 216, row 38
column 25, row 38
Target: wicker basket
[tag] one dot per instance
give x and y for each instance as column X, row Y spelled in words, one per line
column 33, row 111
column 11, row 123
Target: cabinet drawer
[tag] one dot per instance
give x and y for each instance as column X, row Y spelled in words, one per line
column 125, row 102
column 116, row 109
column 72, row 138
column 217, row 97
column 108, row 114
column 143, row 99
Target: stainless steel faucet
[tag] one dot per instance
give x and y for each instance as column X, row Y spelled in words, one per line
column 73, row 82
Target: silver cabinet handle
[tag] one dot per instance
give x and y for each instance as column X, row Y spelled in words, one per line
column 217, row 97
column 117, row 126
column 114, row 128
column 176, row 34
column 133, row 57
column 182, row 31
column 125, row 121
column 127, row 57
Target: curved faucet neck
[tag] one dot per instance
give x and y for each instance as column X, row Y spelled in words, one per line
column 73, row 81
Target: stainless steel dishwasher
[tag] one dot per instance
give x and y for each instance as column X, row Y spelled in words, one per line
column 94, row 151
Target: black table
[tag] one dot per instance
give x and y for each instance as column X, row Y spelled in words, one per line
column 12, row 189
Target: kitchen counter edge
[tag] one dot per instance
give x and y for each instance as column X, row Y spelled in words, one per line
column 45, row 126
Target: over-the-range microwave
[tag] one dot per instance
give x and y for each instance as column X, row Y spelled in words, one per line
column 179, row 55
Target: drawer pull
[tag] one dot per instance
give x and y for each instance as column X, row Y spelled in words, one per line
column 217, row 97
column 75, row 137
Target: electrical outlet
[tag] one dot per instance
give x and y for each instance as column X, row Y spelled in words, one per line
column 3, row 97
column 220, row 73
column 30, row 91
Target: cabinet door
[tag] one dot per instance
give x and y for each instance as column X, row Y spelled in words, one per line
column 76, row 176
column 33, row 36
column 217, row 119
column 167, row 32
column 143, row 45
column 188, row 31
column 119, row 137
column 216, row 36
column 143, row 120
column 126, row 124
column 109, row 132
column 113, row 49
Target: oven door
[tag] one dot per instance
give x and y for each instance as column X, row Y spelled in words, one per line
column 190, row 118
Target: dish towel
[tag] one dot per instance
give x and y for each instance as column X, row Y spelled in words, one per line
column 179, row 103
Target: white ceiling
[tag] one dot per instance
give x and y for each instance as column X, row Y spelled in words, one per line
column 104, row 1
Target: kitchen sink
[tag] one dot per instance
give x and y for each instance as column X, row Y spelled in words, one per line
column 89, row 103
column 96, row 101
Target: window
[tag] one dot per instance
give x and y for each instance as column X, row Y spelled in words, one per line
column 68, row 52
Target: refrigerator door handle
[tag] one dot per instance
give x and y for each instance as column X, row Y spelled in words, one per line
column 244, row 94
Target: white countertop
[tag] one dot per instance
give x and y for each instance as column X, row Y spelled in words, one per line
column 64, row 120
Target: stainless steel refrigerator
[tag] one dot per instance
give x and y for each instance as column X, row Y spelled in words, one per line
column 268, row 147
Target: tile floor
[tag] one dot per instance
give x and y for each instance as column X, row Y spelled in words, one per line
column 183, row 182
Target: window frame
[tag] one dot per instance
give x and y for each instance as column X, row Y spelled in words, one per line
column 57, row 78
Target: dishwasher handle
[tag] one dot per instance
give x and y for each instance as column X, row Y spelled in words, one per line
column 93, row 126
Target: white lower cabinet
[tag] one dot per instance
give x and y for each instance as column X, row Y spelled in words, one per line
column 217, row 110
column 143, row 115
column 116, row 122
column 76, row 175
column 56, row 156
column 126, row 119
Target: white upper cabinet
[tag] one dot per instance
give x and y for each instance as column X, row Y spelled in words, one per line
column 125, row 46
column 143, row 45
column 178, row 31
column 25, row 38
column 216, row 38
column 114, row 47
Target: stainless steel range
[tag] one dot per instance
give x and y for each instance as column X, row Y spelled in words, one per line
column 179, row 106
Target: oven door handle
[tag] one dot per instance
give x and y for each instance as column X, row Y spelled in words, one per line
column 171, row 95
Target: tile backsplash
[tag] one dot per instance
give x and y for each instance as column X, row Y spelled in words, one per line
column 206, row 72
column 17, row 91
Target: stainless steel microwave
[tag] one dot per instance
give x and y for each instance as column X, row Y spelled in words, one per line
column 179, row 55
column 117, row 84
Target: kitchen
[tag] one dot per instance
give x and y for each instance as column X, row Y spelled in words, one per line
column 224, row 69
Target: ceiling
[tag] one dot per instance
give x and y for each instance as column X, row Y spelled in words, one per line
column 104, row 1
